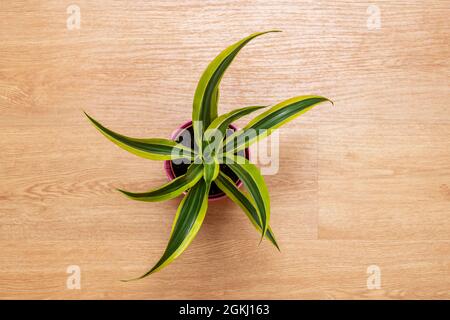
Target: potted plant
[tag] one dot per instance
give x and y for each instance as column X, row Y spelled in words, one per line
column 215, row 162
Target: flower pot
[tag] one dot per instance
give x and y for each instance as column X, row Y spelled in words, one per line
column 175, row 170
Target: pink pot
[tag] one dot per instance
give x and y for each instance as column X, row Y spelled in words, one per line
column 168, row 164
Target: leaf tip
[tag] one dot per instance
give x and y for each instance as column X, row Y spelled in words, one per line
column 261, row 239
column 138, row 278
column 278, row 248
column 122, row 191
column 85, row 113
column 274, row 30
column 92, row 120
column 128, row 280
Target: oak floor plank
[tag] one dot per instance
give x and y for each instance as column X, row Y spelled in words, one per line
column 365, row 182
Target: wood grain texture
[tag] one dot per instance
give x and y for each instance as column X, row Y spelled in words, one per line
column 368, row 181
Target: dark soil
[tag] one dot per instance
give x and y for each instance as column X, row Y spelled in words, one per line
column 180, row 169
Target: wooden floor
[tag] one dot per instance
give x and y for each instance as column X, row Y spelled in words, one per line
column 366, row 182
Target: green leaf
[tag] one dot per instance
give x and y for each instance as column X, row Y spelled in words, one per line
column 211, row 170
column 264, row 124
column 187, row 222
column 216, row 132
column 154, row 149
column 231, row 190
column 254, row 182
column 206, row 94
column 171, row 189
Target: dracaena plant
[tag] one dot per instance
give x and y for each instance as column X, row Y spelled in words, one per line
column 212, row 150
